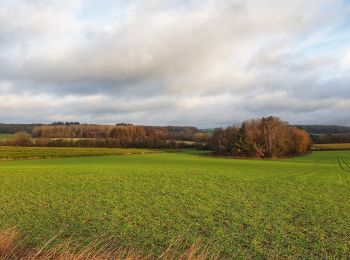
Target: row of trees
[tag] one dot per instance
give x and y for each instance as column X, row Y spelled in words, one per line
column 119, row 140
column 331, row 138
column 120, row 135
column 268, row 137
column 325, row 129
column 14, row 128
column 126, row 132
column 65, row 123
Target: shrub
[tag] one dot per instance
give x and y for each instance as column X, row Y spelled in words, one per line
column 23, row 139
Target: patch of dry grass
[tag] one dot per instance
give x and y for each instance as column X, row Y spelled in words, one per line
column 331, row 147
column 10, row 248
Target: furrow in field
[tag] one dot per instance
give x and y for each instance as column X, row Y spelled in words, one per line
column 345, row 163
column 342, row 164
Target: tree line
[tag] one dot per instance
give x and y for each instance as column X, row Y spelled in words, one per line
column 62, row 129
column 124, row 131
column 331, row 138
column 14, row 128
column 325, row 129
column 325, row 134
column 318, row 133
column 120, row 135
column 269, row 137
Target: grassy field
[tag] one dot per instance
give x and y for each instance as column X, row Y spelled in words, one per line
column 240, row 208
column 329, row 147
column 6, row 136
column 15, row 152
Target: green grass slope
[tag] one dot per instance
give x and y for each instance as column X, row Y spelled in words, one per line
column 240, row 208
column 6, row 136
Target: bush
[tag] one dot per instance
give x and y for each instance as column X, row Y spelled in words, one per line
column 22, row 139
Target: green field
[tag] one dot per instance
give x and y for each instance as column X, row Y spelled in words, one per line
column 296, row 208
column 6, row 136
column 16, row 152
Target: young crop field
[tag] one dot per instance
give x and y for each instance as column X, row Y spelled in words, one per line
column 294, row 208
column 6, row 136
column 16, row 152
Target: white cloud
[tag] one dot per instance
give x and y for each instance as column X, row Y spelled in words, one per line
column 174, row 61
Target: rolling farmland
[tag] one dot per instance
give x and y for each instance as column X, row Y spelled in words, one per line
column 16, row 152
column 299, row 207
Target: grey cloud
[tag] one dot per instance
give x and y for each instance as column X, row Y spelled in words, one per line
column 185, row 62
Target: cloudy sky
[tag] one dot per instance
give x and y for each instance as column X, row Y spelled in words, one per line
column 175, row 62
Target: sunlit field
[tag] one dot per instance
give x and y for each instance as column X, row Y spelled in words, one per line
column 238, row 208
column 341, row 146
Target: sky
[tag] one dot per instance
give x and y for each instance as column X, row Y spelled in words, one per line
column 205, row 63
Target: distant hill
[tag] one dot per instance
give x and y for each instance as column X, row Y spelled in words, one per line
column 318, row 133
column 13, row 128
column 325, row 129
column 327, row 133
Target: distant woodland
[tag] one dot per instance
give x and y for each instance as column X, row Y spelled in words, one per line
column 319, row 133
column 14, row 128
column 73, row 134
column 328, row 134
column 268, row 137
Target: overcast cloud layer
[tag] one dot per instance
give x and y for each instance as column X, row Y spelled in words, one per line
column 174, row 62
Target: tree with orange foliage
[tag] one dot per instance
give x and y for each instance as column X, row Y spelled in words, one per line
column 267, row 137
